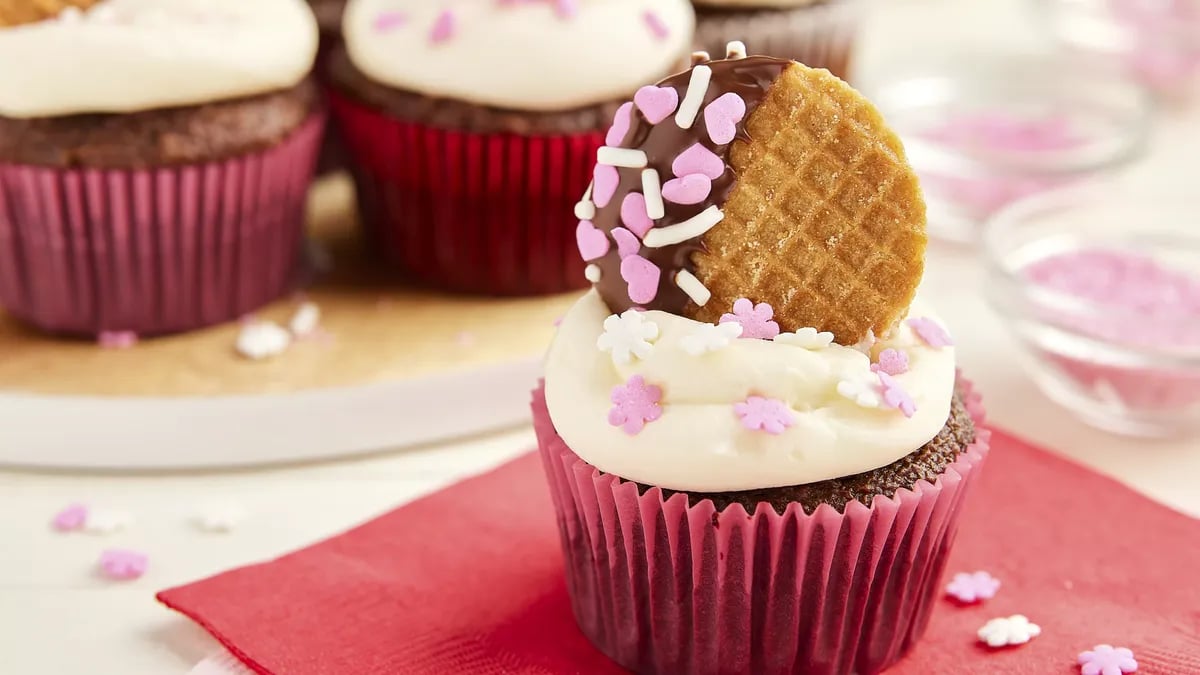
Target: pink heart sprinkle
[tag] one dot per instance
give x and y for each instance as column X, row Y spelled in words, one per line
column 691, row 189
column 443, row 27
column 122, row 564
column 71, row 518
column 388, row 21
column 620, row 125
column 591, row 241
column 604, row 184
column 657, row 26
column 633, row 214
column 656, row 103
column 698, row 159
column 722, row 117
column 642, row 277
column 627, row 242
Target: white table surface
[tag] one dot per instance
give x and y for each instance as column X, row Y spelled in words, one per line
column 57, row 617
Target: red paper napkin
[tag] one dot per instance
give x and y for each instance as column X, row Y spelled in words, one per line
column 469, row 580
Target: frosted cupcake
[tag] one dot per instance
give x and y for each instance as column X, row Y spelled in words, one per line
column 755, row 436
column 817, row 33
column 473, row 127
column 154, row 162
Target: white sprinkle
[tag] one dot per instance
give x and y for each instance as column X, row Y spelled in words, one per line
column 700, row 57
column 305, row 320
column 219, row 517
column 735, row 50
column 627, row 157
column 586, row 209
column 689, row 284
column 680, row 232
column 652, row 191
column 262, row 339
column 592, row 273
column 697, row 87
column 99, row 521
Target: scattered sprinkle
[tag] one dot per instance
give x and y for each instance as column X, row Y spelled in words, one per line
column 930, row 332
column 710, row 338
column 604, row 184
column 627, row 336
column 634, row 404
column 656, row 103
column 627, row 242
column 443, row 27
column 620, row 125
column 1008, row 631
column 117, row 339
column 722, row 116
column 388, row 21
column 658, row 28
column 764, row 414
column 698, row 159
column 971, row 587
column 592, row 243
column 642, row 276
column 304, row 321
column 808, row 338
column 71, row 518
column 891, row 361
column 894, row 395
column 863, row 390
column 106, row 521
column 219, row 517
column 1107, row 660
column 634, row 214
column 123, row 564
column 262, row 339
column 755, row 319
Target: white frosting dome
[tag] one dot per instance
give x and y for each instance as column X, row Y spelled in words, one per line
column 700, row 444
column 519, row 54
column 133, row 55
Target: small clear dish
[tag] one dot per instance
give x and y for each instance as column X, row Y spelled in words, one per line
column 985, row 131
column 1102, row 291
column 1156, row 41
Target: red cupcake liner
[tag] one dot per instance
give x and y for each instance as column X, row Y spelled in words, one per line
column 663, row 587
column 480, row 213
column 83, row 251
column 819, row 36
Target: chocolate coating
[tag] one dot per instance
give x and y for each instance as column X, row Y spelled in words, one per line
column 749, row 78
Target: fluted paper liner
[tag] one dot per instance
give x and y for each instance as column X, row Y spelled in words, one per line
column 661, row 587
column 157, row 250
column 480, row 213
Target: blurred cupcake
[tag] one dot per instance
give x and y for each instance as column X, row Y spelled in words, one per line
column 154, row 161
column 329, row 19
column 746, row 478
column 473, row 127
column 817, row 33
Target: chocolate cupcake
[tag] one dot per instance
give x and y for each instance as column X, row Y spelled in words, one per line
column 473, row 127
column 329, row 19
column 817, row 33
column 756, row 438
column 154, row 161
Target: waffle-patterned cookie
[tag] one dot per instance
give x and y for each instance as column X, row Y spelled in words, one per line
column 16, row 12
column 785, row 188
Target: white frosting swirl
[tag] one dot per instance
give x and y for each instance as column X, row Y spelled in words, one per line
column 132, row 55
column 699, row 443
column 523, row 54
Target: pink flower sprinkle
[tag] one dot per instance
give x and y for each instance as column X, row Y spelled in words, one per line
column 894, row 395
column 755, row 319
column 892, row 362
column 967, row 587
column 634, row 404
column 443, row 27
column 656, row 25
column 123, row 564
column 388, row 21
column 567, row 8
column 71, row 518
column 764, row 414
column 930, row 332
column 1107, row 660
column 116, row 339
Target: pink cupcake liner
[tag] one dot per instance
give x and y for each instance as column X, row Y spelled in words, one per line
column 480, row 213
column 820, row 36
column 85, row 251
column 663, row 587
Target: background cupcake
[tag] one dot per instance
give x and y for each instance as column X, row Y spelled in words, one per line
column 747, row 479
column 817, row 33
column 154, row 161
column 473, row 127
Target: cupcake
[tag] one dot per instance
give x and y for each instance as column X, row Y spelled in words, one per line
column 154, row 162
column 817, row 33
column 756, row 439
column 473, row 127
column 329, row 19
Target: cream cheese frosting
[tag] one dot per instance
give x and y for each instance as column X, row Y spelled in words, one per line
column 699, row 443
column 133, row 55
column 519, row 54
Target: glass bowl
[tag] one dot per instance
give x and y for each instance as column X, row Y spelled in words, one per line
column 1102, row 291
column 985, row 131
column 1157, row 41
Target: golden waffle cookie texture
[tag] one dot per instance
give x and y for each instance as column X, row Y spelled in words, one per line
column 826, row 222
column 17, row 12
